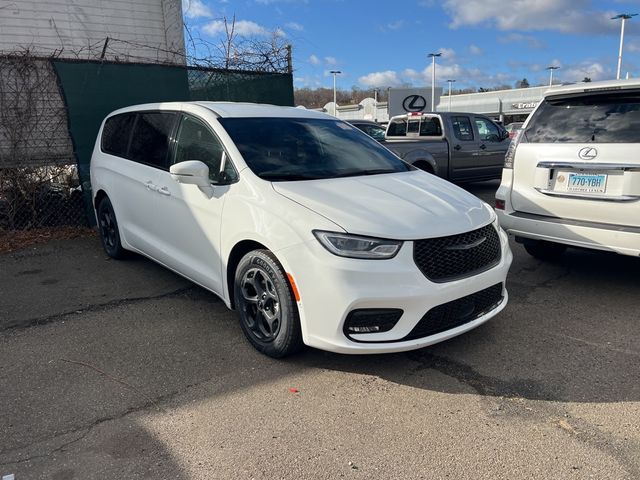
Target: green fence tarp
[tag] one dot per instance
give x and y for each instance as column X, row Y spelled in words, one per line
column 94, row 89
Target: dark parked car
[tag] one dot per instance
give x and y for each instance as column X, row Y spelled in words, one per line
column 371, row 128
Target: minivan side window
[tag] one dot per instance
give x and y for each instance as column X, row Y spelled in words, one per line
column 462, row 128
column 195, row 141
column 487, row 130
column 116, row 134
column 150, row 138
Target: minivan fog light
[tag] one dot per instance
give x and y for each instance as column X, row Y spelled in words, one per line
column 371, row 320
column 353, row 246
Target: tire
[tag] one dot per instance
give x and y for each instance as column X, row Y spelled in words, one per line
column 108, row 228
column 424, row 166
column 545, row 250
column 266, row 305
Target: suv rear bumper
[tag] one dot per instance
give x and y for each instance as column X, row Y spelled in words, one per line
column 600, row 236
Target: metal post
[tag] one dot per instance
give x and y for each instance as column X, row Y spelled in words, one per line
column 621, row 47
column 624, row 17
column 433, row 84
column 335, row 107
column 450, row 82
column 551, row 69
column 289, row 60
column 375, row 104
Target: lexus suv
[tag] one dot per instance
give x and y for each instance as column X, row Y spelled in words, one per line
column 309, row 228
column 572, row 173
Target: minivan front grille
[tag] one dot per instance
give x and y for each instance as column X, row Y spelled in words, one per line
column 457, row 312
column 444, row 259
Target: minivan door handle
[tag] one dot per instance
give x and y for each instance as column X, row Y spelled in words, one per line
column 151, row 186
column 483, row 146
column 164, row 191
column 457, row 147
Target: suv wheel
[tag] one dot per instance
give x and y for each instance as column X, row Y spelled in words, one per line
column 266, row 305
column 109, row 233
column 545, row 250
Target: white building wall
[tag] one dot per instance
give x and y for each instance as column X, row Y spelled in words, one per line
column 139, row 30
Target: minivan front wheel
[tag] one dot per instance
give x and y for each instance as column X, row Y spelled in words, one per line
column 266, row 305
column 544, row 250
column 108, row 227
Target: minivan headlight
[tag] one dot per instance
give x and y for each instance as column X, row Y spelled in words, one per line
column 354, row 246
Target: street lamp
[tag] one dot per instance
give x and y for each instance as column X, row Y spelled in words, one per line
column 375, row 103
column 450, row 82
column 335, row 107
column 624, row 17
column 551, row 69
column 433, row 79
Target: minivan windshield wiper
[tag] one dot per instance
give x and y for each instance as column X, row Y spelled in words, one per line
column 287, row 177
column 357, row 173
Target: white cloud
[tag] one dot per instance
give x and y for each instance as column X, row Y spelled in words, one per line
column 196, row 9
column 330, row 60
column 314, row 60
column 395, row 25
column 447, row 53
column 244, row 28
column 571, row 16
column 388, row 78
column 294, row 26
column 530, row 40
column 475, row 50
column 575, row 73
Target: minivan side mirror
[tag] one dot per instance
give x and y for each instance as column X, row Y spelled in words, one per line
column 191, row 172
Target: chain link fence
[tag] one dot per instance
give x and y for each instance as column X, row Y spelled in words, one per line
column 51, row 110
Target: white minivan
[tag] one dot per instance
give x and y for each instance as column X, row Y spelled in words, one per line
column 572, row 173
column 310, row 229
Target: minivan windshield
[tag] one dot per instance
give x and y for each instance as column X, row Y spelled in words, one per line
column 591, row 118
column 286, row 149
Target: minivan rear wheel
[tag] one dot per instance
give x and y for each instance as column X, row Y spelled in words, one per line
column 266, row 305
column 108, row 227
column 543, row 250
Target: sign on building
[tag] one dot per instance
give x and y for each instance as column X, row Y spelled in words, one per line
column 406, row 100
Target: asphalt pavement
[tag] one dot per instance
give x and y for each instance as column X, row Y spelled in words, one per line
column 121, row 369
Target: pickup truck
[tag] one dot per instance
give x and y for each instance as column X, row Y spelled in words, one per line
column 461, row 147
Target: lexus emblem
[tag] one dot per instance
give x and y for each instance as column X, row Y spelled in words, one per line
column 588, row 153
column 414, row 103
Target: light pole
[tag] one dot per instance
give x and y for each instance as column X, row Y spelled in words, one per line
column 450, row 82
column 335, row 107
column 624, row 17
column 433, row 79
column 375, row 104
column 551, row 69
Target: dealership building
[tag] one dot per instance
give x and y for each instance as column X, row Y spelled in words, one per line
column 504, row 105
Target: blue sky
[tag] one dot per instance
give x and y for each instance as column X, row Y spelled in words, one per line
column 484, row 42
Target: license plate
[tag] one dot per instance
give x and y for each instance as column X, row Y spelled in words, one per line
column 587, row 183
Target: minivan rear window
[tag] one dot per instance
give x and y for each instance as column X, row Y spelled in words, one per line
column 115, row 134
column 592, row 118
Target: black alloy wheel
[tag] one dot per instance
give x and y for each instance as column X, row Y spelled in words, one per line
column 266, row 305
column 108, row 226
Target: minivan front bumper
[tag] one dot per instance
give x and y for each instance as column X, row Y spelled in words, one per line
column 331, row 287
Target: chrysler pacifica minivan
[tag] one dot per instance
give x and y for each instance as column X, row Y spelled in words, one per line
column 310, row 229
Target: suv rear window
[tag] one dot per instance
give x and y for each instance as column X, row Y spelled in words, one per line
column 599, row 118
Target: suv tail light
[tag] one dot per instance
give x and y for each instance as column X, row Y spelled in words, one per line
column 511, row 151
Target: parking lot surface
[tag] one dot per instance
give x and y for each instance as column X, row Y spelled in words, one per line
column 115, row 369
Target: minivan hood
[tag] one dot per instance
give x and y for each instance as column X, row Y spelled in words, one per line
column 402, row 206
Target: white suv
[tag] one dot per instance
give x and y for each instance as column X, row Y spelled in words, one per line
column 572, row 174
column 310, row 229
